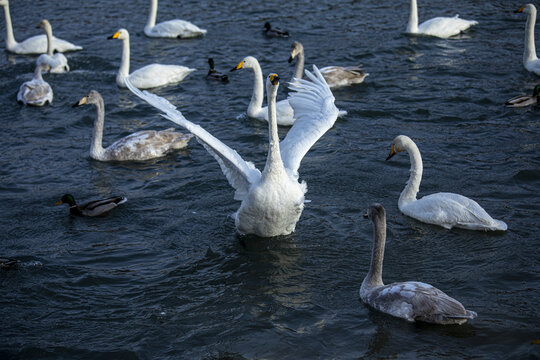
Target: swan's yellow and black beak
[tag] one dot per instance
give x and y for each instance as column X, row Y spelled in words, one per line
column 520, row 9
column 115, row 35
column 274, row 79
column 59, row 202
column 239, row 66
column 392, row 152
column 293, row 55
column 40, row 24
column 81, row 102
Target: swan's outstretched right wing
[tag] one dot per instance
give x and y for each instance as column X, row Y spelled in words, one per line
column 240, row 173
column 315, row 113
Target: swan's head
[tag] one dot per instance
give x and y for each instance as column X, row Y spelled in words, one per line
column 93, row 97
column 296, row 48
column 376, row 213
column 527, row 9
column 248, row 63
column 120, row 34
column 399, row 144
column 273, row 80
column 4, row 3
column 45, row 24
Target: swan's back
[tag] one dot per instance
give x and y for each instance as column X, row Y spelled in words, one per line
column 445, row 27
column 38, row 45
column 155, row 75
column 35, row 92
column 451, row 210
column 416, row 301
column 174, row 29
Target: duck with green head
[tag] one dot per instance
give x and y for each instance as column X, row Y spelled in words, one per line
column 92, row 208
column 525, row 100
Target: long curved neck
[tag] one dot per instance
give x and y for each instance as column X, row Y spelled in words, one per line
column 96, row 147
column 10, row 39
column 255, row 104
column 374, row 276
column 412, row 26
column 123, row 72
column 299, row 69
column 153, row 13
column 274, row 163
column 413, row 184
column 530, row 49
column 37, row 73
column 48, row 31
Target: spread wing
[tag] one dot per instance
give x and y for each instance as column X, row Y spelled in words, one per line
column 240, row 173
column 315, row 113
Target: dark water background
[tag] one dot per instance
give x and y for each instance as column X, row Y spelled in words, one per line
column 166, row 276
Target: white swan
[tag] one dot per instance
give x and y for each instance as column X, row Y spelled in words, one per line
column 530, row 60
column 443, row 27
column 445, row 209
column 149, row 76
column 272, row 202
column 284, row 111
column 411, row 300
column 33, row 45
column 335, row 76
column 142, row 145
column 58, row 62
column 170, row 29
column 36, row 92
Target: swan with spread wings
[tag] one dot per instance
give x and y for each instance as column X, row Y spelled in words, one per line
column 272, row 200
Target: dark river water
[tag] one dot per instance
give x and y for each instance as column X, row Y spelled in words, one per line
column 165, row 276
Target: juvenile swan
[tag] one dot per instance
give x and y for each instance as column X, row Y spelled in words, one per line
column 443, row 27
column 444, row 209
column 272, row 201
column 530, row 60
column 149, row 76
column 33, row 45
column 411, row 300
column 142, row 145
column 170, row 29
column 36, row 92
column 58, row 62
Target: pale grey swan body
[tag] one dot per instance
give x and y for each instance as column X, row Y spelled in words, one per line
column 272, row 201
column 149, row 76
column 57, row 61
column 530, row 60
column 335, row 76
column 170, row 29
column 142, row 145
column 411, row 300
column 36, row 92
column 442, row 27
column 35, row 44
column 444, row 209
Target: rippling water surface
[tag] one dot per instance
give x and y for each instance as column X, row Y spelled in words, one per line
column 166, row 276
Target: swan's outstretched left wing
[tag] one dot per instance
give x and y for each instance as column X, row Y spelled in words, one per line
column 240, row 173
column 315, row 113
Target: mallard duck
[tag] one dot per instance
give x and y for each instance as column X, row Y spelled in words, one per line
column 142, row 145
column 7, row 263
column 36, row 92
column 274, row 32
column 213, row 74
column 92, row 208
column 411, row 300
column 525, row 100
column 444, row 209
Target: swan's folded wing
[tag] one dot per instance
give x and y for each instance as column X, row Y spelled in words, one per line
column 315, row 113
column 239, row 172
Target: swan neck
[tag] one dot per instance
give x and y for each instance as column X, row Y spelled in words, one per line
column 530, row 49
column 37, row 73
column 48, row 32
column 123, row 72
column 298, row 71
column 255, row 105
column 153, row 13
column 412, row 26
column 413, row 184
column 273, row 161
column 10, row 38
column 374, row 276
column 96, row 147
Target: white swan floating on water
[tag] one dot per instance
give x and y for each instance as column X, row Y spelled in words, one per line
column 335, row 76
column 142, row 145
column 58, row 62
column 35, row 44
column 445, row 209
column 442, row 27
column 149, row 76
column 411, row 300
column 272, row 201
column 170, row 29
column 530, row 60
column 36, row 92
